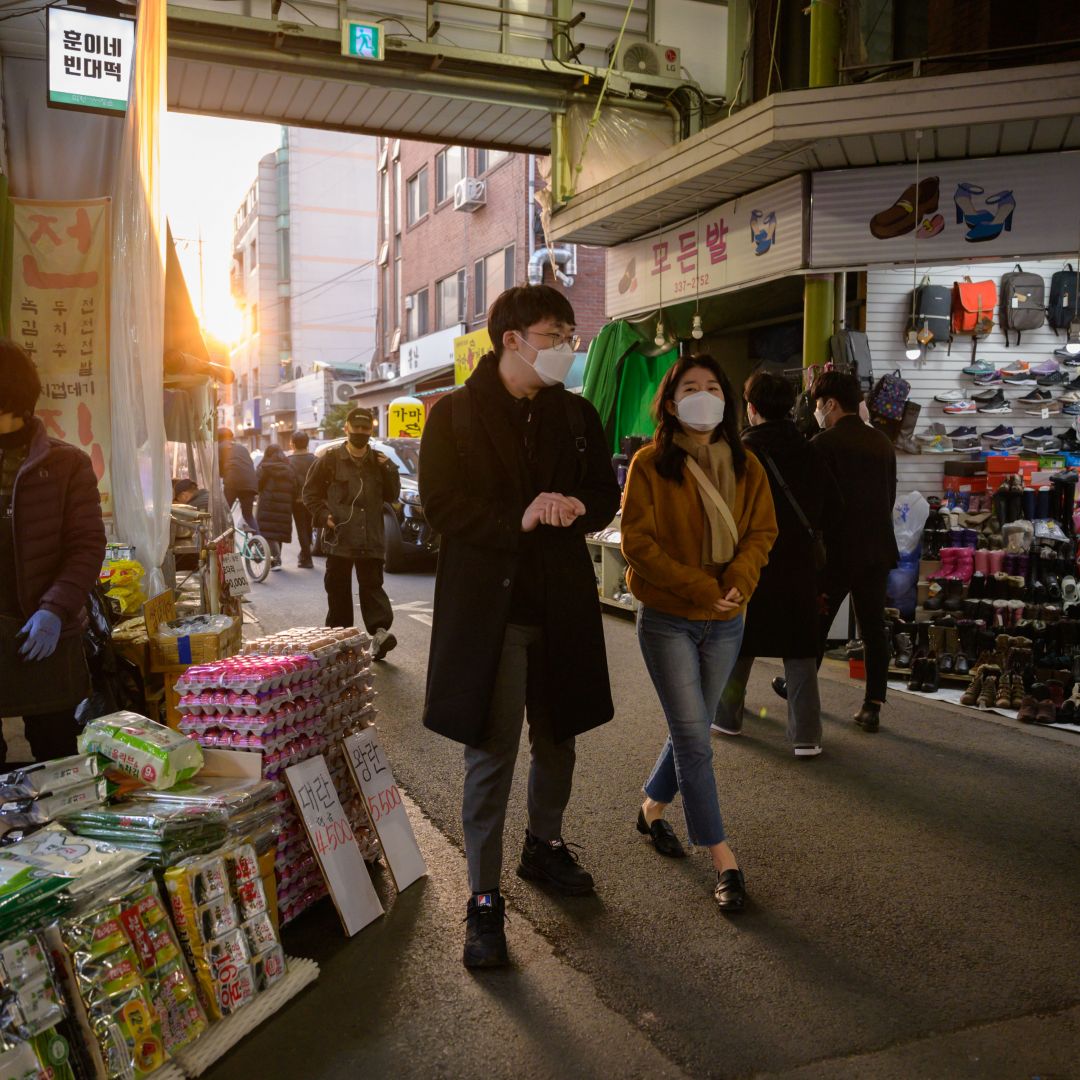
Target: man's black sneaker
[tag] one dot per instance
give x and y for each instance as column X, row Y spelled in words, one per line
column 382, row 641
column 553, row 863
column 485, row 939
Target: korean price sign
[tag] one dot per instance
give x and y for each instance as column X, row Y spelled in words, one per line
column 90, row 58
column 382, row 800
column 60, row 316
column 334, row 845
column 236, row 579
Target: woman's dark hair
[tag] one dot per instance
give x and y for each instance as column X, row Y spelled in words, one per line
column 20, row 386
column 843, row 388
column 524, row 306
column 772, row 396
column 669, row 457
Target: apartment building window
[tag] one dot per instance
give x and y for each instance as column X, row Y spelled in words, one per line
column 449, row 169
column 399, row 294
column 488, row 159
column 254, row 255
column 418, row 196
column 450, row 300
column 491, row 275
column 398, row 197
column 384, row 203
column 384, row 308
column 283, row 253
column 416, row 315
column 254, row 318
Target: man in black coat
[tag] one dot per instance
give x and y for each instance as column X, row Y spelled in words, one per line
column 301, row 461
column 237, row 472
column 864, row 463
column 514, row 471
column 345, row 492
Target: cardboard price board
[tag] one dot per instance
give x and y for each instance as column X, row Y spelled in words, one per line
column 382, row 800
column 236, row 579
column 334, row 845
column 157, row 610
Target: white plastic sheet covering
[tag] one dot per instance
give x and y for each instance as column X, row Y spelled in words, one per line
column 621, row 138
column 141, row 484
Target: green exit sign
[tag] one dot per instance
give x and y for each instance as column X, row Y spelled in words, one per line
column 363, row 40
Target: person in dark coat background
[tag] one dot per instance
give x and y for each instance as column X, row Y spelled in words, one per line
column 52, row 544
column 301, row 460
column 863, row 461
column 237, row 475
column 277, row 493
column 514, row 471
column 784, row 613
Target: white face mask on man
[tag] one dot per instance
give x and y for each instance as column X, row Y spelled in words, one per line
column 820, row 413
column 551, row 365
column 701, row 411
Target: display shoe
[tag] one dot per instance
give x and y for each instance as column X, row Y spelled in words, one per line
column 977, row 585
column 954, row 595
column 1016, row 691
column 961, row 665
column 1001, row 612
column 931, row 676
column 730, row 891
column 1045, row 713
column 946, row 664
column 1004, row 693
column 1027, row 710
column 903, row 648
column 1016, row 611
column 910, row 208
column 971, row 694
column 918, row 669
column 935, row 596
column 988, row 692
column 662, row 835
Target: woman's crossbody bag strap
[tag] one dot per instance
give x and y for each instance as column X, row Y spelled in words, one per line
column 770, row 465
column 707, row 488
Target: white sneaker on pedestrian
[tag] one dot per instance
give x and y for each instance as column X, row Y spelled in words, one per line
column 723, row 730
column 807, row 750
column 382, row 642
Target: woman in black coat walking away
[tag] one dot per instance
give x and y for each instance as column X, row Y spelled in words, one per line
column 277, row 493
column 783, row 616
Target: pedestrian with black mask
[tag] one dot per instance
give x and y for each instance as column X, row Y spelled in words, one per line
column 52, row 544
column 345, row 492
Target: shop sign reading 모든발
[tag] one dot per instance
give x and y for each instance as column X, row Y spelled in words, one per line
column 60, row 317
column 752, row 238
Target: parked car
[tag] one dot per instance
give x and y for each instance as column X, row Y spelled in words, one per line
column 409, row 537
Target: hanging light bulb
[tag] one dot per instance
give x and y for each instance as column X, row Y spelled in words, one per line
column 661, row 337
column 697, row 331
column 912, row 347
column 1072, row 345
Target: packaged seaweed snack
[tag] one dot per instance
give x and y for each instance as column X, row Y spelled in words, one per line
column 44, row 777
column 153, row 753
column 41, row 809
column 269, row 968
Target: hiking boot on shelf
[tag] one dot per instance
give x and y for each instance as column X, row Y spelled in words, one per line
column 988, row 693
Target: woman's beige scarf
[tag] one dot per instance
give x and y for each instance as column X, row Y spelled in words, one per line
column 714, row 459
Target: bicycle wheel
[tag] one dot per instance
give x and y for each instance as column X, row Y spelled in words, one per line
column 257, row 558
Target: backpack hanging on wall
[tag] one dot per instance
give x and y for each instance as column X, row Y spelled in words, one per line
column 1064, row 304
column 1023, row 302
column 849, row 351
column 933, row 312
column 973, row 304
column 886, row 402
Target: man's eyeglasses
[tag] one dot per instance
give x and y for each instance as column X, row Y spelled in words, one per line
column 573, row 340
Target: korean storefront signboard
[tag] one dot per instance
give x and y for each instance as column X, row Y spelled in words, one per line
column 981, row 208
column 90, row 58
column 752, row 238
column 60, row 316
column 405, row 418
column 430, row 351
column 467, row 352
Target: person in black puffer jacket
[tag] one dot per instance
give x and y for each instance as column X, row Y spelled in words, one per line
column 277, row 493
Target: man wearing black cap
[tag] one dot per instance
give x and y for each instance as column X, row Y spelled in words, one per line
column 345, row 492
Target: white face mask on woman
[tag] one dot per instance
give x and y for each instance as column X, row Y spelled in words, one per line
column 701, row 411
column 551, row 365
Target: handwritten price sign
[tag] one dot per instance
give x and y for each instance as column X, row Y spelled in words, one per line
column 236, row 579
column 371, row 771
column 334, row 845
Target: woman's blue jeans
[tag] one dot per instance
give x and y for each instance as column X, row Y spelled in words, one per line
column 689, row 661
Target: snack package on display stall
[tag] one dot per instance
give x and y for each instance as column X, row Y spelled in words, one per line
column 122, row 580
column 142, row 748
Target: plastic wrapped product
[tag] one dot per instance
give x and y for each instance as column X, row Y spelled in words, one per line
column 157, row 755
column 42, row 809
column 217, row 918
column 269, row 968
column 49, row 776
column 235, row 986
column 21, row 961
column 260, row 934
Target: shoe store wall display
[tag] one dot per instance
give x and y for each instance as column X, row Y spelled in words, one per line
column 994, row 403
column 752, row 239
column 1003, row 207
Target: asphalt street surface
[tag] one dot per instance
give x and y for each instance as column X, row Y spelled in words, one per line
column 914, row 902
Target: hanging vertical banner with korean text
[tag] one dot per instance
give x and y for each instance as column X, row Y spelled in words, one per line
column 757, row 237
column 60, row 316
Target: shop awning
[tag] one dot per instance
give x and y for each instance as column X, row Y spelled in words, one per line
column 384, row 390
column 976, row 114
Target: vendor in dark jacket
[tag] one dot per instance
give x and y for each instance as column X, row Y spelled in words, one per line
column 301, row 460
column 863, row 461
column 52, row 543
column 345, row 492
column 783, row 616
column 237, row 476
column 277, row 493
column 514, row 471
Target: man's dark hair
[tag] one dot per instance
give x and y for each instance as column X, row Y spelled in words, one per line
column 299, row 440
column 523, row 306
column 20, row 386
column 224, row 434
column 772, row 395
column 843, row 388
column 182, row 485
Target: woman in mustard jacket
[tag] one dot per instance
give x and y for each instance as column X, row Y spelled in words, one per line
column 697, row 526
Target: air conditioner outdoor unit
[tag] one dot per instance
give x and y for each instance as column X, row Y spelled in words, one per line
column 648, row 58
column 470, row 194
column 410, row 300
column 387, row 370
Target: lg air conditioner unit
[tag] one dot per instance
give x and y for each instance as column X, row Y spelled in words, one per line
column 648, row 58
column 470, row 194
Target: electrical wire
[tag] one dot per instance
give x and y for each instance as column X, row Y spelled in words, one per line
column 28, row 11
column 752, row 7
column 772, row 52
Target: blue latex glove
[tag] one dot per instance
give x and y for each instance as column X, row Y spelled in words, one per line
column 40, row 636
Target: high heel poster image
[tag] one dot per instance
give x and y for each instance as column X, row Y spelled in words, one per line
column 997, row 207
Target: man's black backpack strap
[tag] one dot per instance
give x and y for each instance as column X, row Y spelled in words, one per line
column 575, row 417
column 460, row 419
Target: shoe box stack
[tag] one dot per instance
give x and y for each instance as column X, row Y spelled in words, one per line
column 998, row 602
column 289, row 697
